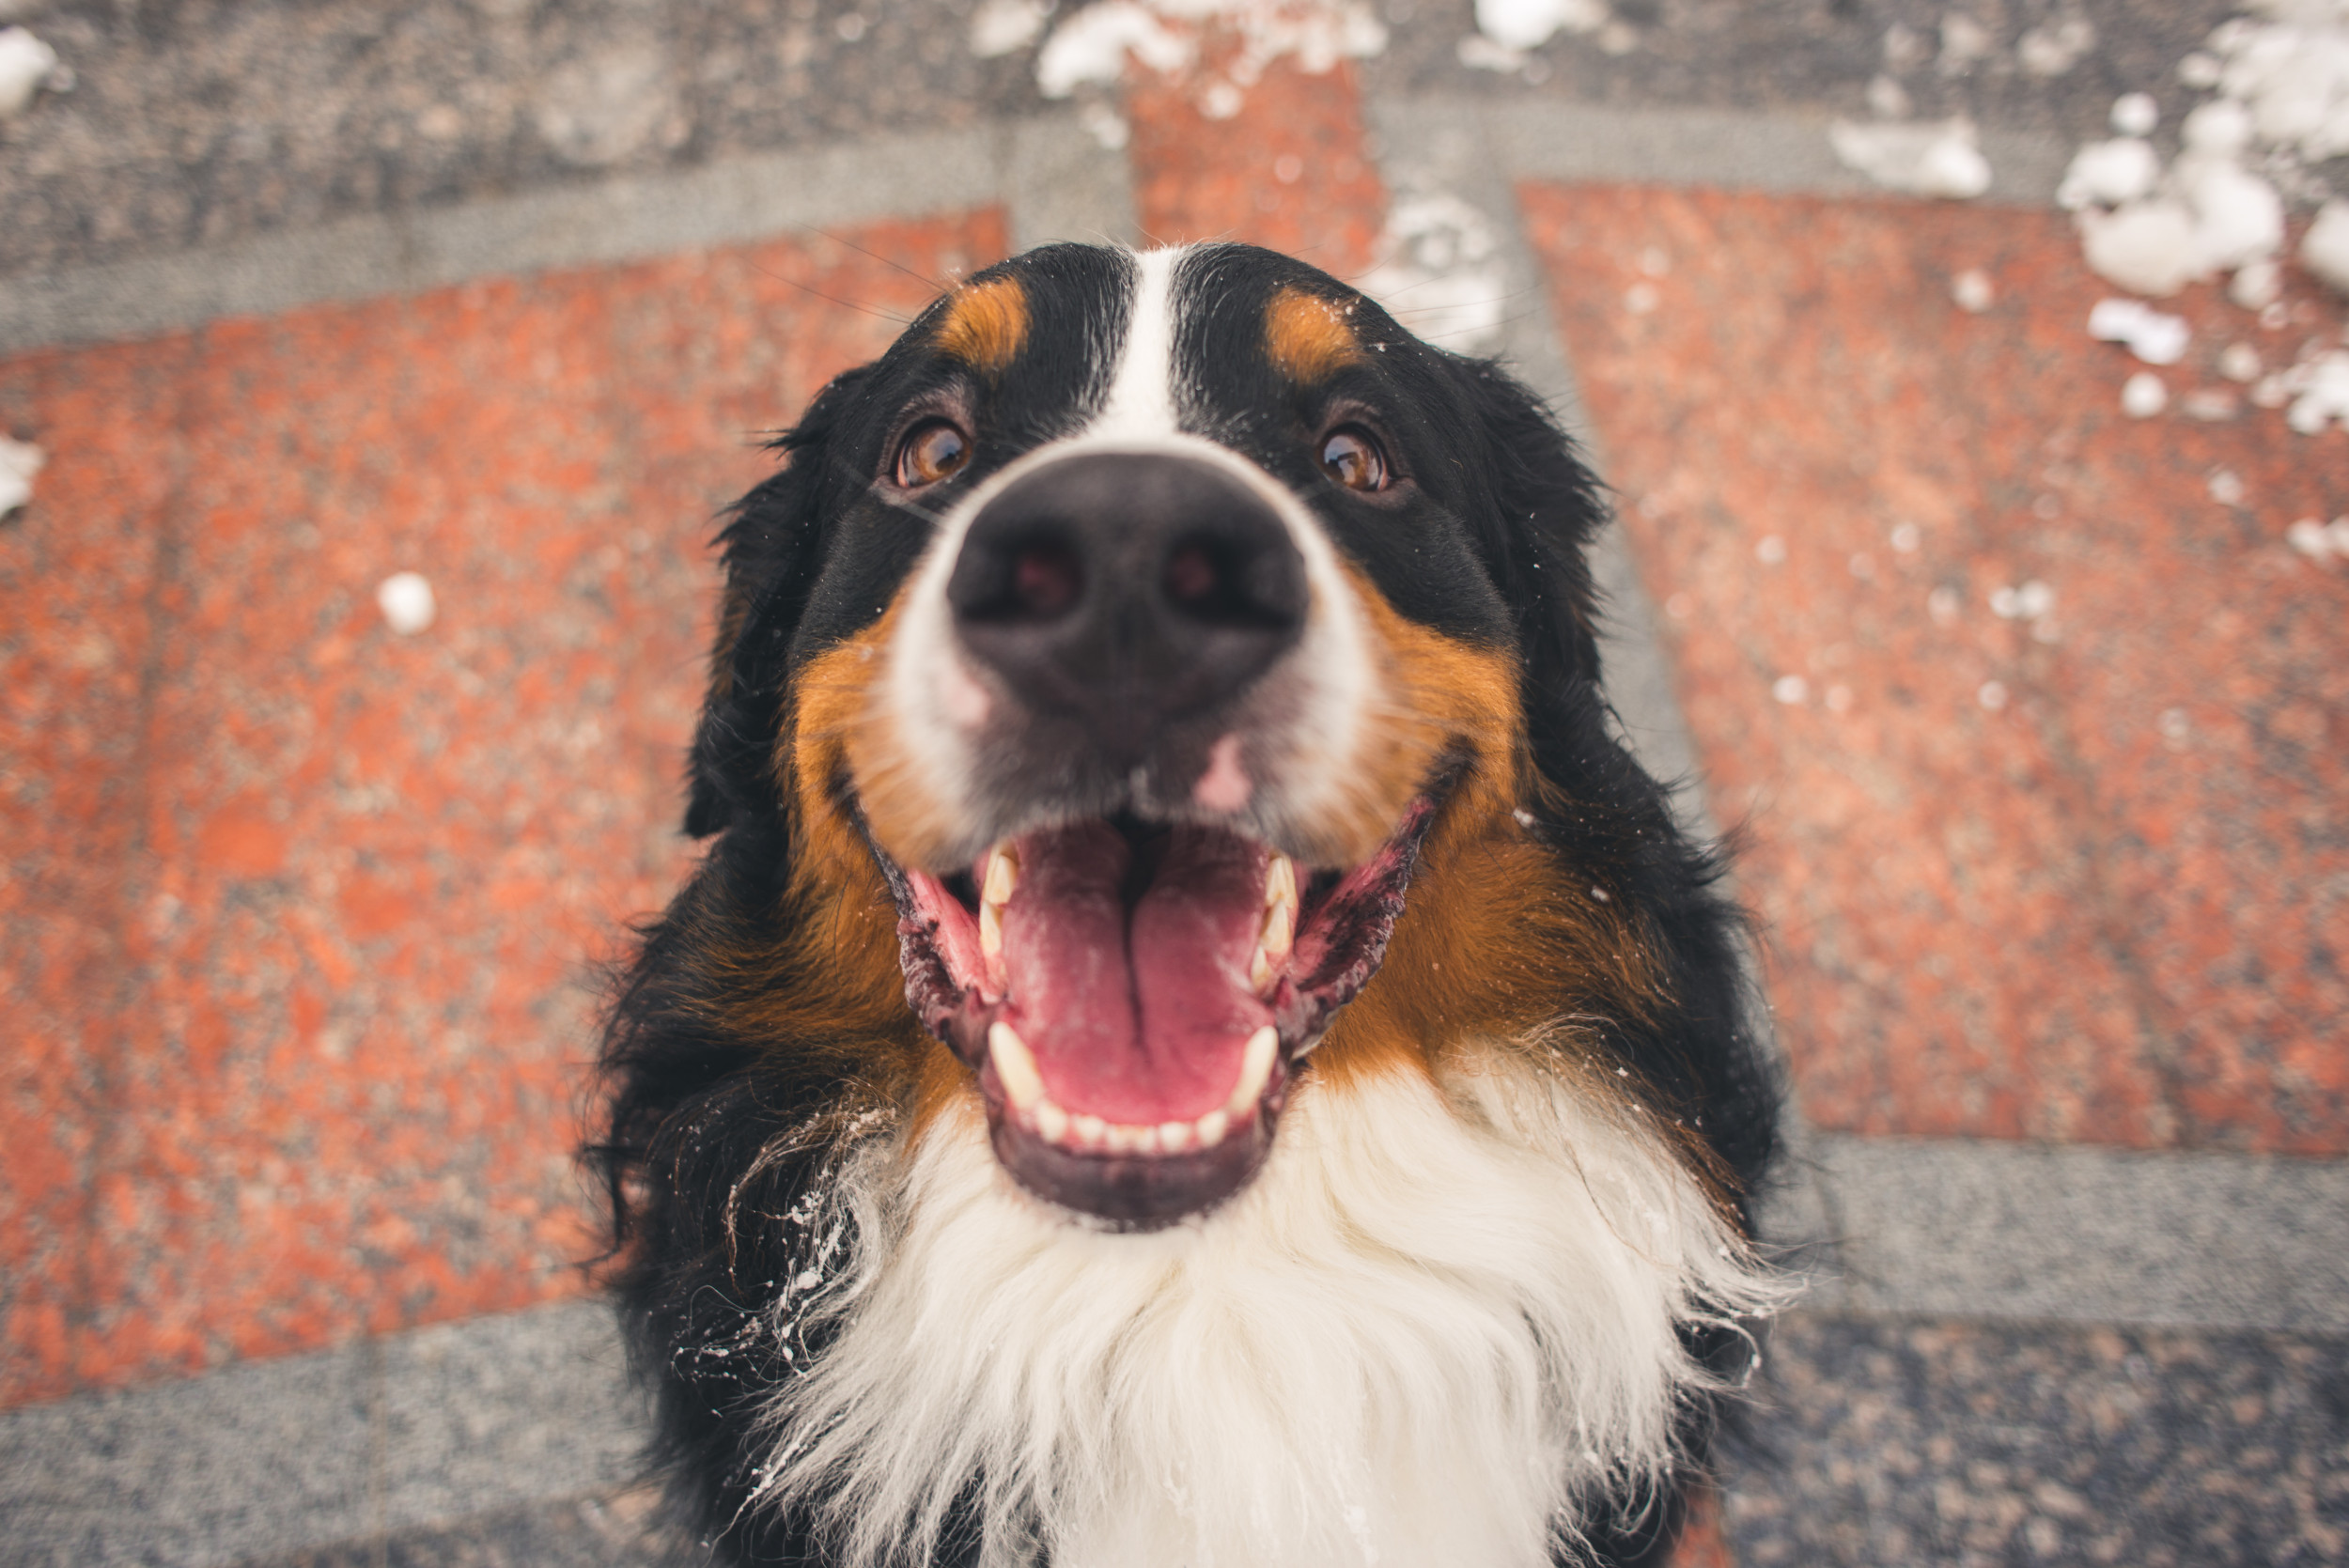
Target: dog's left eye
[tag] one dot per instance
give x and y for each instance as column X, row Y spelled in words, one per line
column 933, row 450
column 1352, row 456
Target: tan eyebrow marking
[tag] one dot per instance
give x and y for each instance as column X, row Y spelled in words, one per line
column 986, row 324
column 1309, row 337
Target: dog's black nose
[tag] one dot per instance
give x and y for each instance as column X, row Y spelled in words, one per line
column 1128, row 590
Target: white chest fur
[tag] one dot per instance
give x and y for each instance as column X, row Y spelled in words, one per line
column 1433, row 1321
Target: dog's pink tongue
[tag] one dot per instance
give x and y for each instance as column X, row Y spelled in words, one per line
column 1136, row 1016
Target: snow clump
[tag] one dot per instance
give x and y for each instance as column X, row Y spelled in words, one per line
column 25, row 63
column 1929, row 158
column 2155, row 339
column 405, row 599
column 19, row 462
column 2282, row 105
column 1090, row 48
column 1440, row 272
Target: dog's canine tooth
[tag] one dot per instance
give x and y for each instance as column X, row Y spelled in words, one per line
column 1210, row 1128
column 1016, row 1066
column 1002, row 875
column 1255, row 1071
column 1280, row 881
column 1280, row 920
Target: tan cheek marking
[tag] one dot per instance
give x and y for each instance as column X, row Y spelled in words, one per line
column 986, row 324
column 1308, row 338
column 1497, row 937
column 843, row 728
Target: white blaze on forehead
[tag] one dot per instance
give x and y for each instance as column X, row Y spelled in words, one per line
column 940, row 701
column 1141, row 403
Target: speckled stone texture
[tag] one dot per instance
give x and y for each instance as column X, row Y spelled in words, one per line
column 620, row 1529
column 300, row 914
column 204, row 120
column 1965, row 1444
column 2082, row 875
column 1288, row 171
column 1819, row 57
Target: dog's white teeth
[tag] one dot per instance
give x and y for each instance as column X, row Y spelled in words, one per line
column 1255, row 1071
column 1016, row 1066
column 1001, row 876
column 1280, row 881
column 1279, row 921
column 1084, row 1133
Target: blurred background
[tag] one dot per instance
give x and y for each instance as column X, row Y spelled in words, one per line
column 1973, row 383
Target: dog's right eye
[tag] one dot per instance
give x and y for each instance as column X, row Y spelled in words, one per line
column 933, row 450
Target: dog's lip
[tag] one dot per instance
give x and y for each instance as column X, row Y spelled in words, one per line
column 1342, row 940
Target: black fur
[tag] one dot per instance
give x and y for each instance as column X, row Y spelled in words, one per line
column 1489, row 547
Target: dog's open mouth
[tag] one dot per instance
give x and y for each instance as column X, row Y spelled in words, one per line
column 1137, row 998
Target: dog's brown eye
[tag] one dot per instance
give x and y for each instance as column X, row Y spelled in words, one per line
column 933, row 450
column 1352, row 456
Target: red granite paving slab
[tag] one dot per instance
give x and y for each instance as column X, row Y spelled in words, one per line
column 307, row 910
column 2114, row 908
column 76, row 648
column 1290, row 170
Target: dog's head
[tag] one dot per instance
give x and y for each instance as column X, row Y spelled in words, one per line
column 1127, row 665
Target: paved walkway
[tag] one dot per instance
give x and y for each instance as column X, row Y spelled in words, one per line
column 299, row 912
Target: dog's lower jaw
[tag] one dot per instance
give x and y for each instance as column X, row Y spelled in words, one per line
column 1441, row 1321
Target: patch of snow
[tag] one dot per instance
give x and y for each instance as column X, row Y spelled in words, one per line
column 2312, row 540
column 1091, row 47
column 2279, row 76
column 1928, row 158
column 1971, row 289
column 405, row 599
column 2135, row 113
column 2146, row 247
column 1965, row 42
column 2257, row 285
column 2325, row 397
column 1439, row 272
column 2027, row 602
column 1790, row 690
column 2054, row 48
column 2142, row 395
column 2325, row 249
column 2106, row 173
column 2155, row 339
column 1992, row 695
column 25, row 63
column 2226, row 487
column 1000, row 27
column 1770, row 551
column 1522, row 25
column 1887, row 97
column 20, row 461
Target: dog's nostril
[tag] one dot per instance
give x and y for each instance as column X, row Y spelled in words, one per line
column 1046, row 579
column 1190, row 577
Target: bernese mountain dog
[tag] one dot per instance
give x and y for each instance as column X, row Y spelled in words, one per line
column 1193, row 1042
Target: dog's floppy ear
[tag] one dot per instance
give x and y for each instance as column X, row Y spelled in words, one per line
column 1547, row 507
column 774, row 545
